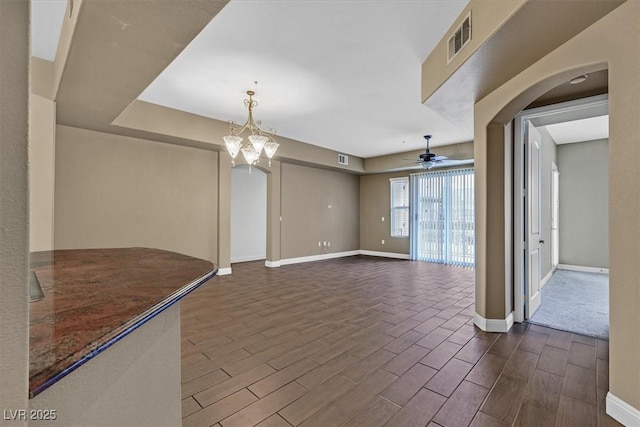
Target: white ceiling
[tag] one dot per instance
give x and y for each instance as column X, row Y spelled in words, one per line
column 580, row 130
column 46, row 23
column 344, row 75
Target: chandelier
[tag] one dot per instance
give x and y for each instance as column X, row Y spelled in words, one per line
column 259, row 140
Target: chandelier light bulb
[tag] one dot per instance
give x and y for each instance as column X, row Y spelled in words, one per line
column 258, row 142
column 270, row 149
column 233, row 144
column 250, row 155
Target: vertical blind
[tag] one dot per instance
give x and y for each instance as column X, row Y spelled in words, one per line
column 443, row 220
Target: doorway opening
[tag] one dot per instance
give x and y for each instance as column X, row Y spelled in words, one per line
column 248, row 214
column 561, row 227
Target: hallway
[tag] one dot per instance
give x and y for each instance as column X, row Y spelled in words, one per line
column 576, row 302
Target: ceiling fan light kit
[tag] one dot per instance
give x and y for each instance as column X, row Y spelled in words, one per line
column 429, row 159
column 427, row 165
column 259, row 140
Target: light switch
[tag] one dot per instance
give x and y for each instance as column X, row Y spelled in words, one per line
column 382, row 219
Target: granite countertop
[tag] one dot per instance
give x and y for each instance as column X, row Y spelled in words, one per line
column 94, row 297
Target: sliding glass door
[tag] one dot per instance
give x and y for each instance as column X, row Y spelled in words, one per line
column 443, row 217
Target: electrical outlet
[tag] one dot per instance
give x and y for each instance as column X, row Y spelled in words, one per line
column 330, row 206
column 319, row 244
column 324, row 244
column 329, row 244
column 383, row 241
column 382, row 219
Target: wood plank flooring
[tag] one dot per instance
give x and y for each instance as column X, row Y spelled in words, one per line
column 364, row 341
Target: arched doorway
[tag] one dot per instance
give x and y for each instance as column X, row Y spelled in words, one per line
column 494, row 182
column 572, row 279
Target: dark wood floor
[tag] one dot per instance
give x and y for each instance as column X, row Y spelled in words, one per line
column 364, row 341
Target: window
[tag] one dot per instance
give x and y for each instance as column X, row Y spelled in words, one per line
column 444, row 226
column 399, row 207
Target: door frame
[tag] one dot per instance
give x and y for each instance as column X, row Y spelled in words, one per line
column 533, row 229
column 555, row 217
column 582, row 108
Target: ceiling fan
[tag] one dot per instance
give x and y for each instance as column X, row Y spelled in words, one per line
column 428, row 160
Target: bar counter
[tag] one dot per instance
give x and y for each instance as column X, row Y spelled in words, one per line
column 95, row 297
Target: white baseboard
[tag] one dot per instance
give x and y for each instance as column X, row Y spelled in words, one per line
column 248, row 258
column 224, row 271
column 546, row 279
column 274, row 264
column 583, row 269
column 385, row 254
column 622, row 412
column 493, row 325
column 318, row 257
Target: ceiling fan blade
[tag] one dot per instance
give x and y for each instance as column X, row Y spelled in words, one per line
column 446, row 163
column 439, row 158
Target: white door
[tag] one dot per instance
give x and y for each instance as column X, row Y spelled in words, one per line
column 555, row 211
column 532, row 235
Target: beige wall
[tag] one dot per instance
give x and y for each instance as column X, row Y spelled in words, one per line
column 507, row 180
column 184, row 128
column 605, row 44
column 41, row 78
column 375, row 203
column 482, row 19
column 134, row 382
column 224, row 212
column 114, row 191
column 393, row 162
column 584, row 200
column 306, row 216
column 42, row 117
column 67, row 31
column 274, row 189
column 14, row 206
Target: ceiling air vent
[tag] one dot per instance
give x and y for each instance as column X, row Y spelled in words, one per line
column 459, row 39
column 343, row 159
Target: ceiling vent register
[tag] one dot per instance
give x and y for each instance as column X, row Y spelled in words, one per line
column 460, row 38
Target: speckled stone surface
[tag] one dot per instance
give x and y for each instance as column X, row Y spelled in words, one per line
column 94, row 297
